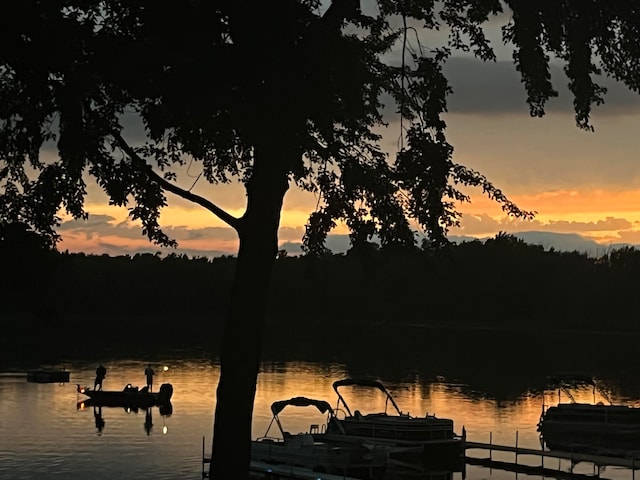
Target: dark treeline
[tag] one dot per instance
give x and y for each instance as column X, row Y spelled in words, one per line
column 500, row 283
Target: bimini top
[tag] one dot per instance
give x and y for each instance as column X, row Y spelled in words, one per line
column 363, row 382
column 321, row 405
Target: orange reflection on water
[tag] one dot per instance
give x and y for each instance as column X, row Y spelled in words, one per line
column 195, row 381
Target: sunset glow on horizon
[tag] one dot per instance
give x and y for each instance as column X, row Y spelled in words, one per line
column 604, row 216
column 578, row 182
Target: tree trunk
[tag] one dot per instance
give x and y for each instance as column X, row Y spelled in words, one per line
column 241, row 346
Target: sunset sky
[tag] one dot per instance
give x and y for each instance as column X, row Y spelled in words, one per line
column 577, row 181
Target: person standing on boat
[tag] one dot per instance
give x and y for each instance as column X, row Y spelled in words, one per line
column 149, row 373
column 101, row 372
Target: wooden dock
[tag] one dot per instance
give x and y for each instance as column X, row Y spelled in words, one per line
column 540, row 470
column 261, row 470
column 573, row 457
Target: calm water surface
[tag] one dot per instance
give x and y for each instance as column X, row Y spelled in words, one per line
column 45, row 435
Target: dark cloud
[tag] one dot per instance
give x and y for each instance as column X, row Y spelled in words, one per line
column 548, row 235
column 606, row 225
column 496, row 87
column 97, row 226
column 481, row 224
column 94, row 223
column 100, row 225
column 217, row 233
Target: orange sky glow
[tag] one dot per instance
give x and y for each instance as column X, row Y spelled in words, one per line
column 578, row 182
column 605, row 216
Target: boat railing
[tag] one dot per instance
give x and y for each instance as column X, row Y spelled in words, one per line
column 270, row 439
column 316, row 428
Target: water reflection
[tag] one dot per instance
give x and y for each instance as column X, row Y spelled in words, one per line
column 99, row 421
column 148, row 421
column 165, row 410
column 596, row 425
column 493, row 396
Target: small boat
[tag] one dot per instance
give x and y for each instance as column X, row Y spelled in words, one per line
column 428, row 438
column 597, row 427
column 48, row 376
column 308, row 450
column 129, row 396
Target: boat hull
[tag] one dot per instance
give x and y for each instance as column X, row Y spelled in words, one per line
column 305, row 451
column 128, row 397
column 591, row 428
column 427, row 439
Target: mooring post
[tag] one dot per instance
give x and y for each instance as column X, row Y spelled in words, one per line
column 516, row 447
column 490, row 445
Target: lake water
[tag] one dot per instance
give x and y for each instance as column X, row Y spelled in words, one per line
column 45, row 434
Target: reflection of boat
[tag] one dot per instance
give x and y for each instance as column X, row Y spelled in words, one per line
column 427, row 437
column 129, row 396
column 308, row 450
column 164, row 408
column 48, row 376
column 589, row 427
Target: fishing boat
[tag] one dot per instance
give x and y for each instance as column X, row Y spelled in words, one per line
column 309, row 450
column 404, row 436
column 129, row 396
column 596, row 427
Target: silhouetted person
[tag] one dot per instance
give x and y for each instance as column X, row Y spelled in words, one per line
column 149, row 373
column 97, row 414
column 101, row 372
column 148, row 421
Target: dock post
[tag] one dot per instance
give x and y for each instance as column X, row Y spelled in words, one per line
column 205, row 461
column 204, row 474
column 516, row 447
column 490, row 445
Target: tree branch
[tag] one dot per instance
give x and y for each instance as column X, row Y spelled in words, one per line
column 213, row 208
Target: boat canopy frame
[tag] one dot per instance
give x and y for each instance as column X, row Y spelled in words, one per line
column 277, row 407
column 364, row 382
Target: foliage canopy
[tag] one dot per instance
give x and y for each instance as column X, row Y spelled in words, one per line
column 271, row 93
column 215, row 82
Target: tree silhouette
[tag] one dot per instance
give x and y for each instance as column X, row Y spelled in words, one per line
column 269, row 93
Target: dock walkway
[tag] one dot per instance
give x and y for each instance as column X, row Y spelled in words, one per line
column 261, row 470
column 574, row 457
